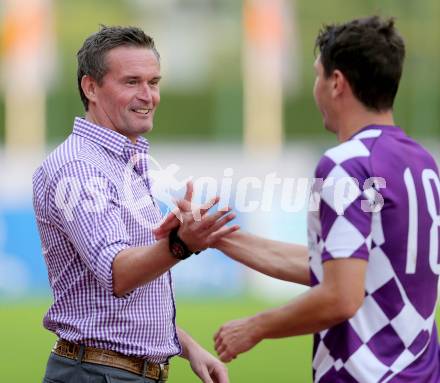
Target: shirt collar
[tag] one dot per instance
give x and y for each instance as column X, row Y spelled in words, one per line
column 372, row 131
column 108, row 138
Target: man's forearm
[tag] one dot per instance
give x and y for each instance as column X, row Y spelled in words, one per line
column 137, row 266
column 311, row 312
column 276, row 259
column 337, row 298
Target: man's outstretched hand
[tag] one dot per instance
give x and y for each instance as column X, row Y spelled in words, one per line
column 174, row 218
column 197, row 228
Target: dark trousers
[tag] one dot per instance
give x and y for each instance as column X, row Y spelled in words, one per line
column 64, row 370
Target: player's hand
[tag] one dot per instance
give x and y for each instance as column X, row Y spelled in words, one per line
column 199, row 229
column 235, row 337
column 173, row 219
column 206, row 367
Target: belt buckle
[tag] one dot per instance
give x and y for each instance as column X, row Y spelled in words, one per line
column 152, row 369
column 161, row 371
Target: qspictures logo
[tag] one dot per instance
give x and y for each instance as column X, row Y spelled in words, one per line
column 246, row 194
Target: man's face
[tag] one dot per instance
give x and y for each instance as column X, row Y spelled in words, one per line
column 322, row 94
column 129, row 93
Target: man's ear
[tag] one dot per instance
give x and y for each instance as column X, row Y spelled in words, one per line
column 89, row 85
column 338, row 84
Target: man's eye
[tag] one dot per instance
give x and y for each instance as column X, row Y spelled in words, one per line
column 131, row 82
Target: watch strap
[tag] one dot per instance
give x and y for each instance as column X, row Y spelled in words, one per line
column 177, row 247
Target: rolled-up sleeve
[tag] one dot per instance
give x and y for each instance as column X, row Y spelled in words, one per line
column 84, row 204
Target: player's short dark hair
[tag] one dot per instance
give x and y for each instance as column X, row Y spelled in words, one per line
column 370, row 53
column 92, row 55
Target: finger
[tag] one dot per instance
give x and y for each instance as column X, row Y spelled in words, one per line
column 218, row 342
column 199, row 211
column 223, row 232
column 164, row 224
column 221, row 330
column 169, row 222
column 226, row 357
column 221, row 222
column 175, row 213
column 183, row 205
column 220, row 375
column 164, row 230
column 204, row 375
column 210, row 220
column 208, row 205
column 218, row 338
column 221, row 349
column 189, row 191
column 160, row 235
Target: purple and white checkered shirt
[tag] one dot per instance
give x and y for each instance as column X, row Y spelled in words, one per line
column 92, row 199
column 393, row 336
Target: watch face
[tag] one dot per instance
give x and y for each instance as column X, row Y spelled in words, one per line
column 178, row 250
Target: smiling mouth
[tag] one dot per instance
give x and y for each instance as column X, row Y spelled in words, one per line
column 143, row 111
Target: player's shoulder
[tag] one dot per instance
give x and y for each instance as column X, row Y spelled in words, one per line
column 351, row 156
column 396, row 147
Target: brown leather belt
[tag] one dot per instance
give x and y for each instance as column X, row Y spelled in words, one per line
column 112, row 359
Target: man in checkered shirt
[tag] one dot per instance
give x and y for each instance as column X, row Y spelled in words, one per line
column 372, row 259
column 113, row 304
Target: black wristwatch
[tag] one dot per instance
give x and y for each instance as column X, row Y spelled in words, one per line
column 178, row 248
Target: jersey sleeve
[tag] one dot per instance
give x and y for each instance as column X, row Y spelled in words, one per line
column 84, row 205
column 345, row 205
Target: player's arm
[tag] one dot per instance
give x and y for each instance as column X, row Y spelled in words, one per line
column 208, row 368
column 289, row 262
column 333, row 301
column 340, row 292
column 276, row 259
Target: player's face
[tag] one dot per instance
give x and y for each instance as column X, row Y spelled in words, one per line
column 322, row 94
column 129, row 93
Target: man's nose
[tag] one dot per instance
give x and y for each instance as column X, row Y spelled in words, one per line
column 144, row 93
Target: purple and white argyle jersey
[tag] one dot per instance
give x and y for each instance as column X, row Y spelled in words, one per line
column 92, row 199
column 379, row 201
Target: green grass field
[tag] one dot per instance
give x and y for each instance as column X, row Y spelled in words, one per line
column 25, row 344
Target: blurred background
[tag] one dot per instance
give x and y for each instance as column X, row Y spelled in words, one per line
column 236, row 102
